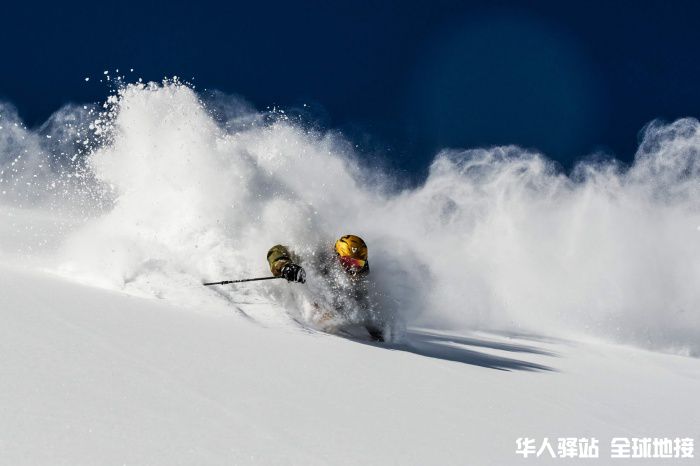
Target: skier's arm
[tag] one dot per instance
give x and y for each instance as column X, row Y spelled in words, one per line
column 278, row 256
column 282, row 264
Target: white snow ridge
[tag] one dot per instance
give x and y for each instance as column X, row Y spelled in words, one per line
column 528, row 306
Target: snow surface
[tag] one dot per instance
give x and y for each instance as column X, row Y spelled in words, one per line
column 91, row 376
column 531, row 299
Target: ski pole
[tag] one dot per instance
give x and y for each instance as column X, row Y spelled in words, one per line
column 226, row 282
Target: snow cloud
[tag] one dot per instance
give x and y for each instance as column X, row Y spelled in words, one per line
column 494, row 238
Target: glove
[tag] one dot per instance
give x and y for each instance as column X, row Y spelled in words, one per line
column 293, row 273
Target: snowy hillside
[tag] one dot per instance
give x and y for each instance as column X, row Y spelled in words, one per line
column 96, row 377
column 527, row 304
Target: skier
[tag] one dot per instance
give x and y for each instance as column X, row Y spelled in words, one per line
column 345, row 271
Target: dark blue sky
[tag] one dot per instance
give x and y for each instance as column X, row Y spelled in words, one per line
column 405, row 78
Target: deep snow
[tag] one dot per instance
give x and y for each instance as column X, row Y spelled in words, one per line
column 91, row 376
column 531, row 299
column 165, row 188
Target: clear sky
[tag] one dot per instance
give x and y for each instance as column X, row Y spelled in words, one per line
column 404, row 78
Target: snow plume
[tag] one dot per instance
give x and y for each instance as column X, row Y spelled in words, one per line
column 46, row 166
column 494, row 238
column 45, row 187
column 22, row 163
column 606, row 252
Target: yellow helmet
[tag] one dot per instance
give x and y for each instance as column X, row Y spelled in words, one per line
column 352, row 253
column 351, row 246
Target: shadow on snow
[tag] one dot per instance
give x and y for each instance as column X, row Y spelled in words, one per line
column 454, row 348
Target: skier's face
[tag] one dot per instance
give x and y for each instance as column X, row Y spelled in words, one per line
column 351, row 265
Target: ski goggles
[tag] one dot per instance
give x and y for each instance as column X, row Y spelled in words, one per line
column 350, row 263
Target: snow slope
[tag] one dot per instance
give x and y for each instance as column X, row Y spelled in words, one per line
column 91, row 376
column 520, row 287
